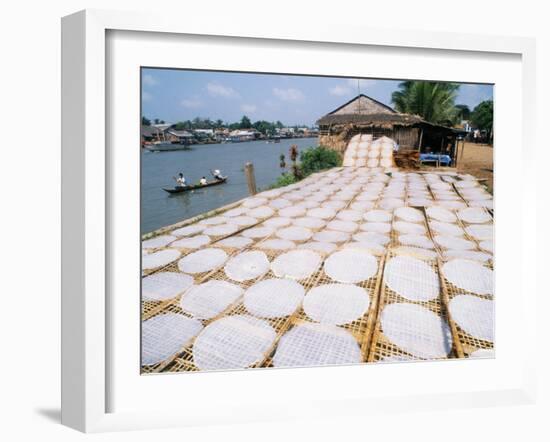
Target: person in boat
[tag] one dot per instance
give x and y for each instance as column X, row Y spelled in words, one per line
column 217, row 174
column 203, row 181
column 180, row 180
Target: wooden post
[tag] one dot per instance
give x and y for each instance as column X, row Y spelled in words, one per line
column 420, row 140
column 250, row 178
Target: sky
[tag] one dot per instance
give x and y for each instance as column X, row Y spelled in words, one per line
column 177, row 95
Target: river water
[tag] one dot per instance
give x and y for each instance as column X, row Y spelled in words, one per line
column 159, row 209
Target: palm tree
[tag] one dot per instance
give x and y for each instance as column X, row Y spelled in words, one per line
column 432, row 100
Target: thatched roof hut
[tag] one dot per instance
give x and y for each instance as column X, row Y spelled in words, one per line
column 364, row 114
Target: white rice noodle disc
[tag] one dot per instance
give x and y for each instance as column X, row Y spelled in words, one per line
column 466, row 184
column 214, row 221
column 318, row 246
column 258, row 232
column 448, row 229
column 276, row 244
column 243, row 220
column 376, row 227
column 202, row 261
column 331, row 236
column 261, row 212
column 351, row 266
column 307, row 345
column 474, row 215
column 280, row 203
column 221, row 230
column 386, row 162
column 488, row 204
column 295, row 233
column 307, row 204
column 406, row 227
column 310, row 223
column 205, row 301
column 333, row 205
column 250, row 203
column 391, row 203
column 233, row 342
column 349, row 215
column 159, row 259
column 416, row 252
column 470, row 276
column 158, row 241
column 362, row 206
column 474, row 315
column 336, row 304
column 373, row 153
column 375, row 237
column 246, row 266
column 292, row 212
column 194, row 242
column 367, row 196
column 373, row 162
column 348, row 162
column 487, row 245
column 362, row 154
column 455, row 205
column 409, row 214
column 273, row 193
column 468, row 254
column 235, row 242
column 321, row 212
column 411, row 278
column 441, row 214
column 386, row 154
column 480, row 232
column 483, row 353
column 165, row 285
column 234, row 212
column 342, row 226
column 416, row 330
column 297, row 264
column 367, row 246
column 416, row 241
column 420, row 202
column 454, row 243
column 192, row 229
column 274, row 298
column 278, row 221
column 165, row 335
column 378, row 216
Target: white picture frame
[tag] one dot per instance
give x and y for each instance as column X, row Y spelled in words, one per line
column 87, row 215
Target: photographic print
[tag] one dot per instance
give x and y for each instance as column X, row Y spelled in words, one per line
column 304, row 221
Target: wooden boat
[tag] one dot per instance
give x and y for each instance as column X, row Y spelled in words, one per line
column 195, row 186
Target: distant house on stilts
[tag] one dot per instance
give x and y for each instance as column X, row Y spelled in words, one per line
column 366, row 115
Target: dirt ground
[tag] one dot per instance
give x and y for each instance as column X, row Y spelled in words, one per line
column 478, row 161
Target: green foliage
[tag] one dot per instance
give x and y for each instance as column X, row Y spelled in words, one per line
column 318, row 158
column 145, row 121
column 245, row 123
column 463, row 111
column 284, row 180
column 482, row 116
column 432, row 100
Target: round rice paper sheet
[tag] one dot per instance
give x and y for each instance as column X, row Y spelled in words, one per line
column 331, row 236
column 454, row 243
column 214, row 221
column 362, row 206
column 474, row 315
column 276, row 244
column 386, row 162
column 221, row 230
column 469, row 275
column 295, row 233
column 159, row 259
column 274, row 298
column 261, row 212
column 391, row 203
column 193, row 242
column 351, row 266
column 319, row 246
column 487, row 245
column 310, row 223
column 416, row 330
column 308, row 345
column 366, row 246
column 243, row 220
column 454, row 205
column 409, row 214
column 416, row 252
column 280, row 203
column 165, row 285
column 376, row 227
column 158, row 241
column 411, row 278
column 381, row 216
column 246, row 266
column 480, row 231
column 297, row 264
column 202, row 261
column 205, row 301
column 278, row 221
column 292, row 212
column 336, row 304
column 235, row 242
column 406, row 227
column 192, row 229
column 447, row 229
column 165, row 335
column 374, row 237
column 362, row 162
column 337, row 205
column 234, row 212
column 349, row 215
column 468, row 254
column 258, row 232
column 474, row 215
column 251, row 203
column 441, row 214
column 342, row 226
column 233, row 342
column 416, row 241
